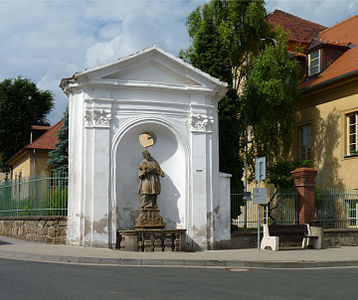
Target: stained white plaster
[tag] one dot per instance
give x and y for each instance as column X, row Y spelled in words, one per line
column 110, row 106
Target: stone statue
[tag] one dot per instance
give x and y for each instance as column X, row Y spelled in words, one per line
column 149, row 180
column 149, row 188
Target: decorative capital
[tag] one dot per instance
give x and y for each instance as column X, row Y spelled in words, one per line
column 201, row 123
column 97, row 118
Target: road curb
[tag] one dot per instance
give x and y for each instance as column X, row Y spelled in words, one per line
column 176, row 262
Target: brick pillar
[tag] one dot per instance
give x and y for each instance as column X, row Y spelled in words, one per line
column 304, row 180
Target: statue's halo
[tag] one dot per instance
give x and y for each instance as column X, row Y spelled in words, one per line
column 147, row 139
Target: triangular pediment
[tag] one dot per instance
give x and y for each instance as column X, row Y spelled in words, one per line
column 314, row 44
column 151, row 70
column 152, row 67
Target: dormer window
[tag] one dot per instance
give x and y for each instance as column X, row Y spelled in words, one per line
column 314, row 62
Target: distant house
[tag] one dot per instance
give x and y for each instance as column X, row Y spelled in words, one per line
column 327, row 120
column 300, row 32
column 32, row 159
column 326, row 130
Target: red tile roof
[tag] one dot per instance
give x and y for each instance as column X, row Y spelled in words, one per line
column 335, row 43
column 342, row 34
column 344, row 65
column 296, row 53
column 300, row 30
column 48, row 140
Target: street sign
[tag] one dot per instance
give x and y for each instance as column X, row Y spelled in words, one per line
column 259, row 195
column 260, row 168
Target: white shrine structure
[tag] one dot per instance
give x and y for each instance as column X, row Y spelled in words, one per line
column 152, row 92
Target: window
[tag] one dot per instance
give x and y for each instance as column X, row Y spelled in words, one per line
column 352, row 213
column 352, row 131
column 314, row 63
column 305, row 142
column 18, row 176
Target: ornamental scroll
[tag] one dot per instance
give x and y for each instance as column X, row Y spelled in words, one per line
column 97, row 118
column 201, row 123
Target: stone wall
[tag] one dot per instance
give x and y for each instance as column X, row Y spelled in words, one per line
column 47, row 229
column 340, row 237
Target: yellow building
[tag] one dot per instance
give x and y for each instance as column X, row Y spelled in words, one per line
column 326, row 131
column 327, row 118
column 32, row 159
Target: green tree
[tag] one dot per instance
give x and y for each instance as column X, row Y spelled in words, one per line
column 59, row 157
column 270, row 93
column 22, row 104
column 224, row 35
column 279, row 174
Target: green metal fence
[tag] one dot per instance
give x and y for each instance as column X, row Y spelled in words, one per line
column 281, row 209
column 337, row 208
column 34, row 196
column 334, row 208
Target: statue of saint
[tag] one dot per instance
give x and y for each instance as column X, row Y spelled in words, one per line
column 149, row 181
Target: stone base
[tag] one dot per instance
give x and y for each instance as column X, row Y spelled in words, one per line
column 151, row 240
column 149, row 218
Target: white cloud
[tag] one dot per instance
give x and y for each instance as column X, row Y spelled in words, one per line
column 324, row 12
column 104, row 52
column 51, row 82
column 44, row 40
column 50, row 40
column 144, row 23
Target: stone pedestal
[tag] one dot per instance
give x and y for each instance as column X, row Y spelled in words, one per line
column 152, row 240
column 304, row 180
column 149, row 217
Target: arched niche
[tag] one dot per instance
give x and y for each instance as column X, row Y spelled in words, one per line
column 170, row 152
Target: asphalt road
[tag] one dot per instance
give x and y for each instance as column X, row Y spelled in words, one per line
column 37, row 280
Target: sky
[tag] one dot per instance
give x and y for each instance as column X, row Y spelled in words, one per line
column 46, row 41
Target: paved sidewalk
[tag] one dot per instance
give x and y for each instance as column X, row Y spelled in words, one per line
column 330, row 257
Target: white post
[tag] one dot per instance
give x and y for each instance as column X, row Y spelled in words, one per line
column 260, row 174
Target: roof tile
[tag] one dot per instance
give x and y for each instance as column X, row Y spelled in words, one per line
column 344, row 32
column 48, row 140
column 347, row 63
column 300, row 30
column 341, row 34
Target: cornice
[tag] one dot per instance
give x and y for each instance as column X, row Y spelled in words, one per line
column 331, row 83
column 118, row 84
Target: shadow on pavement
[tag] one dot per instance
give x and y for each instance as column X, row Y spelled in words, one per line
column 4, row 243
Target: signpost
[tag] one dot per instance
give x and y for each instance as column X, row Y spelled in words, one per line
column 259, row 194
column 260, row 169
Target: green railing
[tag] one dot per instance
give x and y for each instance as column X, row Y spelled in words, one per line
column 334, row 208
column 34, row 196
column 337, row 208
column 282, row 209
